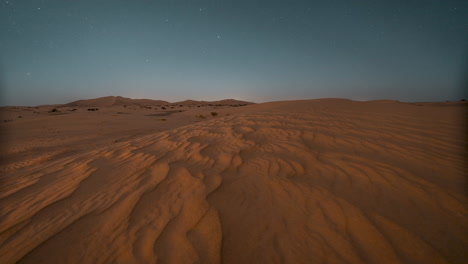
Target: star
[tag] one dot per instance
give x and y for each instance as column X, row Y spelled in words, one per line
column 38, row 8
column 219, row 36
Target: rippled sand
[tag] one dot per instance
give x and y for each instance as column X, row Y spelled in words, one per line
column 319, row 181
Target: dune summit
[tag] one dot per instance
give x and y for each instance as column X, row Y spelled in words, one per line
column 318, row 181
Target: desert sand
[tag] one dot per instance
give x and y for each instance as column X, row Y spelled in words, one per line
column 314, row 181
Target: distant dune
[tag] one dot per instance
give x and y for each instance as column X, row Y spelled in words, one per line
column 314, row 181
column 113, row 101
column 121, row 101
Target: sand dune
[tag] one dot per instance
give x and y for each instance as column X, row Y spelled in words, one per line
column 319, row 181
column 114, row 101
column 121, row 101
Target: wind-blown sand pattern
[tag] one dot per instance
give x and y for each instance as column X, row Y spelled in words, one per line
column 320, row 181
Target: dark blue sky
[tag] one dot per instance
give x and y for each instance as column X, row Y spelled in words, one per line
column 64, row 50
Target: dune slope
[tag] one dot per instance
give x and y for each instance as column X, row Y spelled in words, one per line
column 322, row 181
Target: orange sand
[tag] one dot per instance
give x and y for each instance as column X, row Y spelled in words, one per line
column 318, row 181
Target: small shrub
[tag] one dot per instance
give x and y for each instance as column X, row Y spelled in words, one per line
column 201, row 116
column 163, row 119
column 163, row 108
column 54, row 110
column 20, row 117
column 214, row 113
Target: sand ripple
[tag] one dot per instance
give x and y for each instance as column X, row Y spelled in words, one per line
column 324, row 181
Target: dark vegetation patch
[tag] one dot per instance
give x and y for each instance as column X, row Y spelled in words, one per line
column 168, row 113
column 55, row 111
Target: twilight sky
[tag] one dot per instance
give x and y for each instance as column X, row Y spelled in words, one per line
column 56, row 51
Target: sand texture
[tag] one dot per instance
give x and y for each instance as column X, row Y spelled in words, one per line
column 317, row 181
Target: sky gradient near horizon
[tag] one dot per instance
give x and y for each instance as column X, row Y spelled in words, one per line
column 57, row 51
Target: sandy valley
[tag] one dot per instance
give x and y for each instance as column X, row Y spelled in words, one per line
column 313, row 181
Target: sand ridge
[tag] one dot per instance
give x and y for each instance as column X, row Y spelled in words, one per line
column 320, row 181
